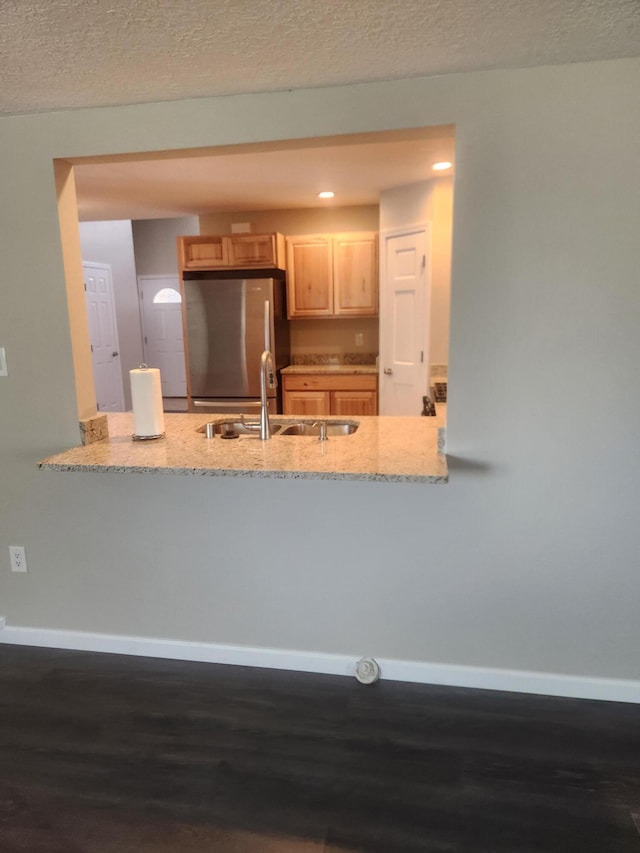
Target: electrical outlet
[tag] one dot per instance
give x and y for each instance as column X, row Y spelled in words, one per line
column 359, row 339
column 18, row 558
column 3, row 362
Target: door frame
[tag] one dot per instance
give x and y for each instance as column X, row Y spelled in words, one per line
column 385, row 234
column 99, row 265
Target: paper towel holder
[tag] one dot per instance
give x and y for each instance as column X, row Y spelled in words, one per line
column 148, row 437
column 135, row 437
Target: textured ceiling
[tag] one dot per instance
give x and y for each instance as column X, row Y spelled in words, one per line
column 57, row 54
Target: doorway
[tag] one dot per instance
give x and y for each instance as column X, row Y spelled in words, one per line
column 103, row 335
column 404, row 320
column 162, row 335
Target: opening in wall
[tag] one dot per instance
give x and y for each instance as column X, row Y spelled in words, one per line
column 271, row 188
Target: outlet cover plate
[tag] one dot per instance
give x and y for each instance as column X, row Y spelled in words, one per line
column 17, row 558
column 3, row 362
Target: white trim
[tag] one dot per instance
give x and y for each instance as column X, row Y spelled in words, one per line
column 180, row 650
column 451, row 675
column 401, row 230
column 513, row 680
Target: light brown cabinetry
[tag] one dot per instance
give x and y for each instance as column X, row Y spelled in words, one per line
column 318, row 394
column 308, row 403
column 241, row 251
column 333, row 275
column 310, row 276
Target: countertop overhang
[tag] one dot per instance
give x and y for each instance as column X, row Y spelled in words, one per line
column 391, row 449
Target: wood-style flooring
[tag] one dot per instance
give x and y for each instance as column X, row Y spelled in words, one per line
column 113, row 754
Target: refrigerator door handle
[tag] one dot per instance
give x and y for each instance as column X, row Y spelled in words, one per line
column 267, row 326
column 243, row 404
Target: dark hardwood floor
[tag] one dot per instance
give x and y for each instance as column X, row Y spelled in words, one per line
column 111, row 754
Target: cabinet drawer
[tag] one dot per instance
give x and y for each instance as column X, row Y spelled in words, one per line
column 329, row 382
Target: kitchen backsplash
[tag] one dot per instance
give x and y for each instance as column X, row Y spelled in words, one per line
column 334, row 358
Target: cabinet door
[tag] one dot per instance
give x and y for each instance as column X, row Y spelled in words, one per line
column 355, row 275
column 354, row 403
column 252, row 250
column 309, row 274
column 307, row 403
column 203, row 253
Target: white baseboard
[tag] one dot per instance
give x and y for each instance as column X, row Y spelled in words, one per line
column 451, row 675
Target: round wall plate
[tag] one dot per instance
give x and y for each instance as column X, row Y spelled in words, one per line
column 367, row 671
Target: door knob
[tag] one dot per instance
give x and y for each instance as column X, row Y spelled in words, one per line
column 114, row 354
column 388, row 371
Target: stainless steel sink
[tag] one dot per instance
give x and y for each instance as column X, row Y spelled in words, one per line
column 233, row 428
column 315, row 428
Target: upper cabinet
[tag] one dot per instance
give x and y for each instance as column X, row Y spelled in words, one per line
column 333, row 275
column 355, row 275
column 241, row 251
column 310, row 275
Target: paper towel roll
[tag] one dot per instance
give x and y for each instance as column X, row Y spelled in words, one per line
column 146, row 397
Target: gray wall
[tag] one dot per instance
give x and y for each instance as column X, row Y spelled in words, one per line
column 155, row 243
column 528, row 559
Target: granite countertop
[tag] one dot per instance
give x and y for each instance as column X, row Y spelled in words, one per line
column 344, row 369
column 394, row 449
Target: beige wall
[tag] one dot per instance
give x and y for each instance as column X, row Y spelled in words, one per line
column 441, row 235
column 299, row 221
column 527, row 560
column 334, row 337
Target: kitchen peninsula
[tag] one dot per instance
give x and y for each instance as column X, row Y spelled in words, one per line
column 391, row 449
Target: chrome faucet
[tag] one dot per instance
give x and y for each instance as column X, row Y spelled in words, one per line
column 323, row 429
column 267, row 380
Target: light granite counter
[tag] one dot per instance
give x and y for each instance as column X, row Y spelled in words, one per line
column 393, row 449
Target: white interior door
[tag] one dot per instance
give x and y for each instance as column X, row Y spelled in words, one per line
column 103, row 334
column 163, row 342
column 404, row 322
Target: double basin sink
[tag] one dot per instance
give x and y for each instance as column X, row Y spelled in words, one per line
column 233, row 428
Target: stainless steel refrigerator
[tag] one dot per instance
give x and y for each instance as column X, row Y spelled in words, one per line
column 228, row 321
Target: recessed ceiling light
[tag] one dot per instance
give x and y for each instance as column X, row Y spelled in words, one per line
column 326, row 194
column 440, row 167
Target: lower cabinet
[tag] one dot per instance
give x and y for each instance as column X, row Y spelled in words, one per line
column 318, row 394
column 354, row 403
